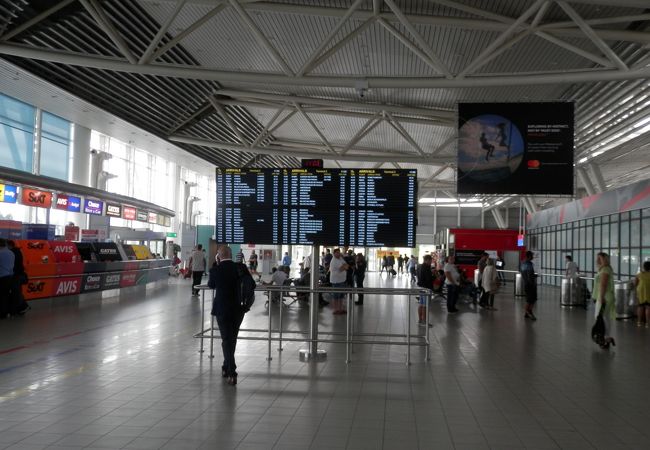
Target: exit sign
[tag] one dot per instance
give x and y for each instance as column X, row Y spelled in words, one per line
column 172, row 235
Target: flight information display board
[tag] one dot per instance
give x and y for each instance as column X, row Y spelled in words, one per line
column 346, row 207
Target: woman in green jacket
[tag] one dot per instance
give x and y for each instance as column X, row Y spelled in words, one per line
column 604, row 294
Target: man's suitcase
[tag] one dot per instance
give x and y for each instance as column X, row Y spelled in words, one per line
column 393, row 273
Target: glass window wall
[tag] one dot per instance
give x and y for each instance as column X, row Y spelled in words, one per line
column 625, row 236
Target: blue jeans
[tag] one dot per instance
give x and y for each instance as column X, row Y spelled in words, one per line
column 452, row 297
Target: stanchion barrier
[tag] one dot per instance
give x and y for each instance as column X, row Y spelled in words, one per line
column 349, row 337
column 202, row 288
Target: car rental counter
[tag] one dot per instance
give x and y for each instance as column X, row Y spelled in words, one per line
column 59, row 268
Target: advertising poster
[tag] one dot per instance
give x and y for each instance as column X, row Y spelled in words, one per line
column 38, row 288
column 66, row 286
column 68, row 203
column 8, row 193
column 141, row 215
column 152, row 217
column 94, row 207
column 112, row 281
column 113, row 210
column 128, row 279
column 107, row 251
column 128, row 213
column 92, row 282
column 71, row 233
column 33, row 197
column 516, row 148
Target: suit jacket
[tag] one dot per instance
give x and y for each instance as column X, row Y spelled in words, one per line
column 224, row 280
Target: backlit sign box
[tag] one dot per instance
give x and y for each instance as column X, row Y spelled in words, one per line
column 113, row 210
column 33, row 197
column 94, row 207
column 153, row 217
column 128, row 212
column 8, row 193
column 141, row 215
column 68, row 203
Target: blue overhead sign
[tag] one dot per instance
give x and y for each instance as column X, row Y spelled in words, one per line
column 8, row 193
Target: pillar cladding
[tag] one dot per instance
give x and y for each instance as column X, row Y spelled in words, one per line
column 81, row 156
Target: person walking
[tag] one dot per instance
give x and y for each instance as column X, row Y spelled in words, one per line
column 197, row 266
column 412, row 268
column 227, row 308
column 482, row 263
column 7, row 260
column 239, row 258
column 286, row 259
column 359, row 275
column 529, row 276
column 604, row 295
column 338, row 275
column 252, row 263
column 490, row 285
column 452, row 281
column 425, row 280
column 400, row 264
column 642, row 283
column 18, row 305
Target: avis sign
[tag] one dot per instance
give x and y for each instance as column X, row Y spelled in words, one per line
column 40, row 199
column 67, row 286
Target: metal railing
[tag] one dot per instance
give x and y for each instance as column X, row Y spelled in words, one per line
column 350, row 337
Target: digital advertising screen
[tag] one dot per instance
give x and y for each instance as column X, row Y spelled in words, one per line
column 309, row 206
column 516, row 148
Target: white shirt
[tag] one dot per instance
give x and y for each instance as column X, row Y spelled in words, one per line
column 278, row 278
column 336, row 274
column 571, row 269
column 198, row 261
column 451, row 268
column 306, row 263
column 490, row 279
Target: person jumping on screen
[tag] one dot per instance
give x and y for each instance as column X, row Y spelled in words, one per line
column 485, row 145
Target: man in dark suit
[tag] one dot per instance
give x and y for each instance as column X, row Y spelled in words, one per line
column 227, row 309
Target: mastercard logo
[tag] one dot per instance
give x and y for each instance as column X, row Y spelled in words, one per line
column 534, row 164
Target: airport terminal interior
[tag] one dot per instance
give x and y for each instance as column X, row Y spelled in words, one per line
column 482, row 167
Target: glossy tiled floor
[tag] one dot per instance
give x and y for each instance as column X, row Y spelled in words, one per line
column 125, row 373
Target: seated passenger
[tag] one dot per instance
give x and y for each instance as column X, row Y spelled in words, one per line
column 279, row 276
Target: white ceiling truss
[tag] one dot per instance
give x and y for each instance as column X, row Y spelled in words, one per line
column 367, row 81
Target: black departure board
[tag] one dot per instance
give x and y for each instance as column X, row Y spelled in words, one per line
column 310, row 206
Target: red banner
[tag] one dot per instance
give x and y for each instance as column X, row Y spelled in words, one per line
column 128, row 279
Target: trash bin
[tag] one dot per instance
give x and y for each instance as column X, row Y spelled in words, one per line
column 623, row 295
column 572, row 293
column 566, row 297
column 519, row 286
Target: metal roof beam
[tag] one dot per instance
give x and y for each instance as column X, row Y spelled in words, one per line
column 203, row 73
column 316, row 53
column 435, row 114
column 36, row 19
column 186, row 32
column 591, row 34
column 401, row 17
column 331, row 112
column 294, row 153
column 97, row 12
column 146, row 56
